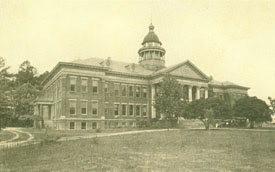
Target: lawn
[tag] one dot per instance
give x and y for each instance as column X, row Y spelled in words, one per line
column 183, row 150
column 5, row 135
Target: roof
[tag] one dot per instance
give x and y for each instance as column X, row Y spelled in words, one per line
column 171, row 68
column 151, row 36
column 132, row 68
column 115, row 66
column 226, row 84
column 135, row 69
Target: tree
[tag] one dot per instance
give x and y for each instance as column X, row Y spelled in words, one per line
column 41, row 78
column 207, row 110
column 5, row 97
column 252, row 108
column 27, row 86
column 23, row 97
column 27, row 74
column 168, row 100
column 272, row 105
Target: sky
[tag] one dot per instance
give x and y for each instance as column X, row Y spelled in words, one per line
column 229, row 40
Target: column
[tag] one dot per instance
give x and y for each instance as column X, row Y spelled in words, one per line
column 190, row 93
column 153, row 90
column 206, row 93
column 41, row 110
column 35, row 110
column 198, row 93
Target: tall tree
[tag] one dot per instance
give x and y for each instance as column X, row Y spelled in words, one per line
column 207, row 109
column 27, row 88
column 5, row 94
column 254, row 109
column 272, row 105
column 27, row 74
column 168, row 100
column 41, row 78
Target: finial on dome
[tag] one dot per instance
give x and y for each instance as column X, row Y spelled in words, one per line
column 151, row 27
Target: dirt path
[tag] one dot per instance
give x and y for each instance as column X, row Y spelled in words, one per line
column 12, row 143
column 242, row 129
column 15, row 136
column 111, row 134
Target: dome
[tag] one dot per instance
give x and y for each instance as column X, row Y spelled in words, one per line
column 151, row 36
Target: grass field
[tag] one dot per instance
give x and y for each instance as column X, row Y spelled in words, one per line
column 5, row 135
column 184, row 150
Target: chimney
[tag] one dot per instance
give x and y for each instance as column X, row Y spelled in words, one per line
column 108, row 61
column 133, row 67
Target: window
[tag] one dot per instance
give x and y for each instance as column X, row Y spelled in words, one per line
column 144, row 110
column 105, row 108
column 106, row 87
column 123, row 90
column 73, row 84
column 116, row 109
column 137, row 110
column 131, row 91
column 95, row 86
column 144, row 92
column 94, row 107
column 84, row 83
column 137, row 91
column 83, row 125
column 72, row 107
column 84, row 108
column 131, row 123
column 94, row 125
column 131, row 110
column 123, row 109
column 116, row 89
column 71, row 125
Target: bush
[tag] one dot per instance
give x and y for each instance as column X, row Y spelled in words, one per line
column 164, row 123
column 143, row 123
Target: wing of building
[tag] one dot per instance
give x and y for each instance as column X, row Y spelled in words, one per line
column 104, row 93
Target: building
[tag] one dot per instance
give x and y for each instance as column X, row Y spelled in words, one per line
column 104, row 93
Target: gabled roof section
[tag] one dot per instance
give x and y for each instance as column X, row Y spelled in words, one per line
column 185, row 69
column 227, row 84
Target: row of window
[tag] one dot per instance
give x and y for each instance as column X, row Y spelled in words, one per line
column 84, row 85
column 119, row 124
column 130, row 109
column 83, row 106
column 123, row 89
column 119, row 109
column 83, row 125
column 128, row 90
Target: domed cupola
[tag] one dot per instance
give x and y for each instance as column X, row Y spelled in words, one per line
column 152, row 55
column 151, row 36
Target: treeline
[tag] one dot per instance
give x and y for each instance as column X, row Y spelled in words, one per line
column 17, row 93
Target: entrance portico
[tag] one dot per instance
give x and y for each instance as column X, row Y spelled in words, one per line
column 44, row 109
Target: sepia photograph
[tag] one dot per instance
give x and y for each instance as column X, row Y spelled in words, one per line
column 137, row 86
